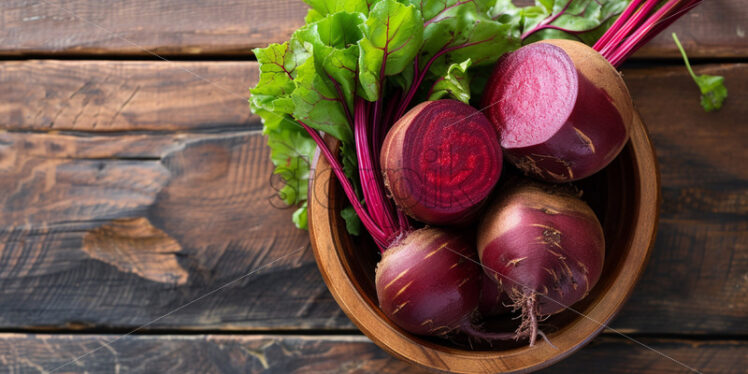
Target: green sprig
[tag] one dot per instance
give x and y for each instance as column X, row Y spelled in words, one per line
column 713, row 90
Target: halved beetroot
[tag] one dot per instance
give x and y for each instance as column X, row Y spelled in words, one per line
column 562, row 111
column 440, row 161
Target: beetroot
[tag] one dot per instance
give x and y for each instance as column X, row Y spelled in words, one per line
column 562, row 111
column 544, row 247
column 561, row 107
column 429, row 283
column 429, row 280
column 440, row 161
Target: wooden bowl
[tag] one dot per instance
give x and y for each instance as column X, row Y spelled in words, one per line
column 625, row 196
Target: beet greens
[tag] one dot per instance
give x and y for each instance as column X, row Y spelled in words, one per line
column 353, row 70
column 357, row 66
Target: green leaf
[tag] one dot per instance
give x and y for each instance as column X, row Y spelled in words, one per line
column 713, row 91
column 325, row 83
column 712, row 87
column 393, row 34
column 323, row 8
column 317, row 104
column 278, row 63
column 459, row 30
column 334, row 44
column 291, row 151
column 312, row 16
column 547, row 4
column 300, row 217
column 352, row 221
column 583, row 20
column 455, row 83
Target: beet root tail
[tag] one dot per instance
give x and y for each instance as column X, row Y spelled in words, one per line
column 533, row 319
column 477, row 333
column 529, row 326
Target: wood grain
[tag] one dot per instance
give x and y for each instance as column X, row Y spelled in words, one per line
column 715, row 28
column 134, row 245
column 212, row 193
column 285, row 354
column 701, row 253
column 163, row 27
column 81, row 215
column 49, row 95
column 169, row 27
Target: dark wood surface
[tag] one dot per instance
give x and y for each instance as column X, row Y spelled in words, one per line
column 209, row 196
column 284, row 354
column 715, row 28
column 130, row 189
column 107, row 96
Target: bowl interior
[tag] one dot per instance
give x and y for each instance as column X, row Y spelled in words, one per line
column 625, row 197
column 608, row 192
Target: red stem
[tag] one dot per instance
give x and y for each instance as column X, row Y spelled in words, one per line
column 621, row 34
column 618, row 55
column 420, row 75
column 636, row 26
column 676, row 12
column 380, row 132
column 387, row 121
column 616, row 25
column 379, row 236
column 372, row 193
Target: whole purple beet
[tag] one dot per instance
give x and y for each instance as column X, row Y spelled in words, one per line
column 429, row 283
column 544, row 247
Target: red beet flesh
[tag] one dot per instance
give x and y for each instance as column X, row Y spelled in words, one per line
column 555, row 122
column 440, row 161
column 544, row 247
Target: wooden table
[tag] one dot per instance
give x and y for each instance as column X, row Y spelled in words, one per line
column 139, row 230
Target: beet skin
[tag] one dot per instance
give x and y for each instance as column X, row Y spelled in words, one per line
column 562, row 111
column 543, row 246
column 424, row 284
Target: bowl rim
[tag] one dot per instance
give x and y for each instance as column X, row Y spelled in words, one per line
column 372, row 322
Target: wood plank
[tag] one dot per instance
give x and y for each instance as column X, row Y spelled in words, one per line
column 205, row 203
column 119, row 230
column 170, row 27
column 715, row 28
column 126, row 95
column 697, row 272
column 163, row 27
column 33, row 353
